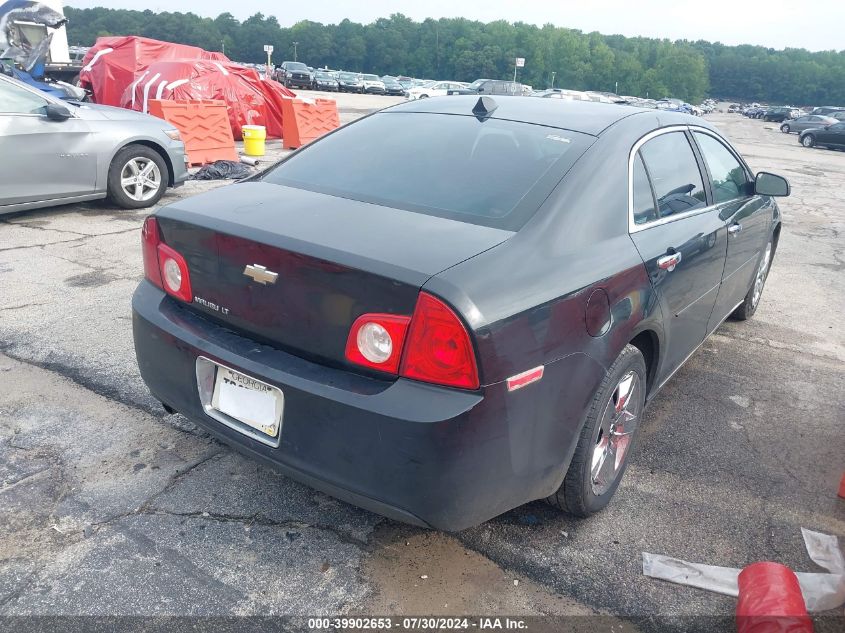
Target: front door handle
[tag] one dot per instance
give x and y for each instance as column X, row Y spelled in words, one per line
column 733, row 229
column 668, row 262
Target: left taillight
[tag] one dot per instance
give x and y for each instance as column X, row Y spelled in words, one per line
column 163, row 265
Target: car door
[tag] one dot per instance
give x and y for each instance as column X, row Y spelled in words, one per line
column 681, row 239
column 43, row 159
column 748, row 217
column 831, row 135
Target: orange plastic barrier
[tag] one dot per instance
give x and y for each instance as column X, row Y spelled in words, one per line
column 304, row 121
column 204, row 125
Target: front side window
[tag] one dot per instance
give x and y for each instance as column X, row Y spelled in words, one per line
column 490, row 172
column 17, row 100
column 674, row 172
column 727, row 176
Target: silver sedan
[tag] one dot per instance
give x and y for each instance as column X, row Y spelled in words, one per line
column 805, row 123
column 57, row 152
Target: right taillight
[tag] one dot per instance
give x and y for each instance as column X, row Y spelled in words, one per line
column 163, row 266
column 438, row 348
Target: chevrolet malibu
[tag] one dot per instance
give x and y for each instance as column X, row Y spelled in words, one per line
column 66, row 152
column 445, row 334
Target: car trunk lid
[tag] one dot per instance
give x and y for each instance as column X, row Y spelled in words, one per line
column 295, row 268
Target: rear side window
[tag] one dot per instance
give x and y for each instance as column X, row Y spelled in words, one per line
column 727, row 176
column 494, row 173
column 644, row 209
column 674, row 173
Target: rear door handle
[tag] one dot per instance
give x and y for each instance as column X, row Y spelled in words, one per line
column 668, row 262
column 733, row 229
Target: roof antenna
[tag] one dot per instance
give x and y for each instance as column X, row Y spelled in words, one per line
column 484, row 108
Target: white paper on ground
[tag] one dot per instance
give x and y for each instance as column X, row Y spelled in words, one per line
column 821, row 592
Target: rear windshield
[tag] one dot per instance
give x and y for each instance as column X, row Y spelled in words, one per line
column 493, row 173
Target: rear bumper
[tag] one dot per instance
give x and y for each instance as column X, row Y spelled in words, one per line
column 418, row 453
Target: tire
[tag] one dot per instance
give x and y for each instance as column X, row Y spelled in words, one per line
column 808, row 140
column 131, row 162
column 784, row 128
column 585, row 491
column 423, row 96
column 755, row 292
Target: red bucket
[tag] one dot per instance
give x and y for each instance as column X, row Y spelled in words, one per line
column 770, row 601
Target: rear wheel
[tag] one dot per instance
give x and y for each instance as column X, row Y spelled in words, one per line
column 606, row 439
column 752, row 299
column 138, row 177
column 808, row 140
column 784, row 128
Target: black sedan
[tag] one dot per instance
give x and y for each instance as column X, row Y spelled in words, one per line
column 349, row 319
column 830, row 136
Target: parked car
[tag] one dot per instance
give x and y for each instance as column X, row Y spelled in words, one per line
column 733, row 108
column 831, row 136
column 372, row 84
column 294, row 75
column 434, row 89
column 403, row 348
column 779, row 115
column 324, row 81
column 805, row 123
column 755, row 112
column 349, row 82
column 59, row 152
column 489, row 87
column 392, row 86
column 827, row 110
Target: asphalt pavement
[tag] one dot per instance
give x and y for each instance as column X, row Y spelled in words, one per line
column 112, row 507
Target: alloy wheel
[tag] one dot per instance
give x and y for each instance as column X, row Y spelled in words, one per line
column 762, row 272
column 808, row 141
column 619, row 422
column 140, row 179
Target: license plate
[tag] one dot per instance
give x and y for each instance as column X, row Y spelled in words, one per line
column 248, row 400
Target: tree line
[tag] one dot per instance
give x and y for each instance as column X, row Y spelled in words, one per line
column 464, row 50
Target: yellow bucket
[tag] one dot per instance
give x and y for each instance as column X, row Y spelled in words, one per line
column 254, row 137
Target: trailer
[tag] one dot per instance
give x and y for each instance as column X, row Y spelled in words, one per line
column 33, row 39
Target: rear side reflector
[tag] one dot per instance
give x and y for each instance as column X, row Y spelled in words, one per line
column 163, row 266
column 525, row 378
column 376, row 341
column 438, row 349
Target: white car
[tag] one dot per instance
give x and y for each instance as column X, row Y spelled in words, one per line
column 435, row 89
column 372, row 84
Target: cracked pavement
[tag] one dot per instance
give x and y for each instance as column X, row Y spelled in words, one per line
column 112, row 507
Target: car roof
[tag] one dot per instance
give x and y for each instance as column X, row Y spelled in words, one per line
column 587, row 117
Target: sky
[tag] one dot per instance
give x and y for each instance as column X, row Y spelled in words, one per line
column 816, row 25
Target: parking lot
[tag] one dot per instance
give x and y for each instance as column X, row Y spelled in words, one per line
column 113, row 507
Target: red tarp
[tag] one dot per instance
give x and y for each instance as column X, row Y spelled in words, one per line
column 251, row 100
column 129, row 71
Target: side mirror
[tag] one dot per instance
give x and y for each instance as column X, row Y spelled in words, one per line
column 57, row 112
column 767, row 184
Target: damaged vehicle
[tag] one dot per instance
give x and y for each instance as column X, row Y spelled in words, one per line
column 58, row 152
column 440, row 358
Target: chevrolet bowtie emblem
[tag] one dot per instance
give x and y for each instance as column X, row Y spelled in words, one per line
column 260, row 274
